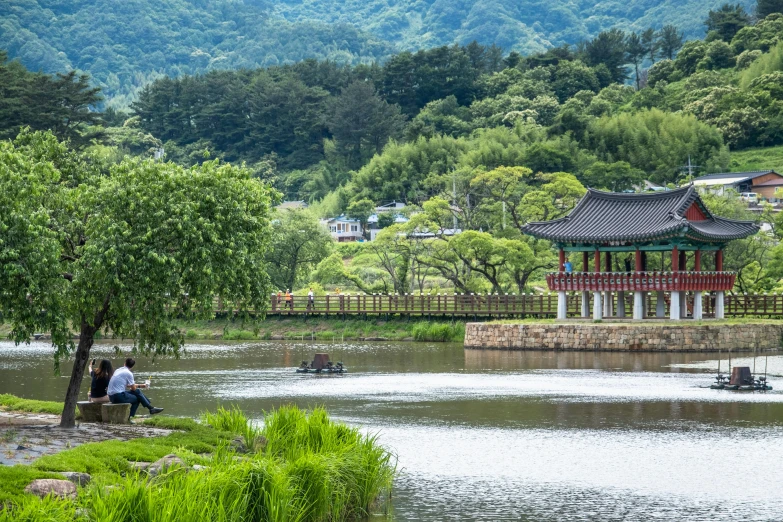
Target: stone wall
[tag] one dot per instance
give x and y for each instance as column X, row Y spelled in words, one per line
column 624, row 337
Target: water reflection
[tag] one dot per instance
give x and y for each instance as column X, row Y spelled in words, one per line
column 499, row 435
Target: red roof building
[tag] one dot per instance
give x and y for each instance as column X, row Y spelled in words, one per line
column 674, row 228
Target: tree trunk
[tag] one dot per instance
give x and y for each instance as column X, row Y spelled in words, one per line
column 86, row 339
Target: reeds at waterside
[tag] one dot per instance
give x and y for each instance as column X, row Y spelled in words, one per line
column 299, row 467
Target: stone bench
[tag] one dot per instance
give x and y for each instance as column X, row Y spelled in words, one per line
column 90, row 411
column 104, row 412
column 115, row 413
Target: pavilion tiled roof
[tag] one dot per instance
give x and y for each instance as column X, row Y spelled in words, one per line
column 602, row 217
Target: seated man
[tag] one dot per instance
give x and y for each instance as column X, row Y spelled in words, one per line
column 123, row 389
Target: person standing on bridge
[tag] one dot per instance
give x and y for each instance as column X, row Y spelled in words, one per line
column 310, row 299
column 289, row 300
column 568, row 267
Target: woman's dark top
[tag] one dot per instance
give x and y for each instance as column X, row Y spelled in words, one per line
column 98, row 386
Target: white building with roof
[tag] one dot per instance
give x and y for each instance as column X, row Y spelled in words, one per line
column 343, row 228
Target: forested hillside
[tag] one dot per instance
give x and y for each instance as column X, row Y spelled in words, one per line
column 123, row 45
column 466, row 136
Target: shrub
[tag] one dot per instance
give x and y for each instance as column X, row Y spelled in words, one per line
column 440, row 332
column 235, row 421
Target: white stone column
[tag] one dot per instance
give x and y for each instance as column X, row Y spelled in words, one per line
column 562, row 305
column 638, row 306
column 674, row 307
column 620, row 304
column 585, row 304
column 683, row 305
column 597, row 307
column 719, row 304
column 608, row 312
column 660, row 304
column 644, row 305
column 697, row 305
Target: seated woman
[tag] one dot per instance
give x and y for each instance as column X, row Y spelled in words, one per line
column 100, row 381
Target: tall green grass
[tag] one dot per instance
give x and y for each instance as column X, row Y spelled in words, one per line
column 440, row 332
column 312, row 470
column 343, row 471
column 233, row 420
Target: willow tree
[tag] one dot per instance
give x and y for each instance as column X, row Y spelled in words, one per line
column 127, row 249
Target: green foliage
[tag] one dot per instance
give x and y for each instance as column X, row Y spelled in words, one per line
column 299, row 242
column 356, row 467
column 127, row 248
column 12, row 403
column 727, row 20
column 654, row 141
column 313, row 469
column 13, row 480
column 439, row 332
column 765, row 64
column 61, row 103
column 362, row 122
column 669, row 41
column 233, row 420
column 767, row 7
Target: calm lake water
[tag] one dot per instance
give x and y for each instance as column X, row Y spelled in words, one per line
column 492, row 435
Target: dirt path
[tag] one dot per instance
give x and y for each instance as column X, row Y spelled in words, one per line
column 24, row 437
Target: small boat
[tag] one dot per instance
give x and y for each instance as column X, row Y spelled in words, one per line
column 321, row 364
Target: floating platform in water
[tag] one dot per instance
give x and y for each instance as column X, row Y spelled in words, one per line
column 741, row 380
column 321, row 364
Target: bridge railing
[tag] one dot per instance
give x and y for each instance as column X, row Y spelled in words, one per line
column 640, row 281
column 467, row 306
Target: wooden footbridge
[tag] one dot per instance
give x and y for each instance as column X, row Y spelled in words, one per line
column 497, row 306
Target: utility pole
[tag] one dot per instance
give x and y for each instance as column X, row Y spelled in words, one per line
column 690, row 167
column 454, row 198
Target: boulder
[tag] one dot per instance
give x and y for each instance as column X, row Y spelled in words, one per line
column 115, row 413
column 58, row 488
column 164, row 464
column 238, row 443
column 141, row 466
column 90, row 411
column 80, row 479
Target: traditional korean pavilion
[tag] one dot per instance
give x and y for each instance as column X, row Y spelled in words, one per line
column 670, row 234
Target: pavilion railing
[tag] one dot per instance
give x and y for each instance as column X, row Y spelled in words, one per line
column 473, row 306
column 640, row 281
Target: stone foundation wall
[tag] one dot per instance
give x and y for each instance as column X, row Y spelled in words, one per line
column 624, row 337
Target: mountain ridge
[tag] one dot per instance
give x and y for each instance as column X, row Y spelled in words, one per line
column 124, row 45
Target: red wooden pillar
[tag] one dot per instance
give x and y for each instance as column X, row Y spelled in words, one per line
column 719, row 260
column 585, row 261
column 562, row 260
column 697, row 261
column 638, row 260
column 607, row 261
column 597, row 261
column 683, row 262
column 675, row 259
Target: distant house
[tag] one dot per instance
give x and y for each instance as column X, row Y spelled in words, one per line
column 372, row 224
column 344, row 229
column 429, row 234
column 762, row 182
column 390, row 207
column 291, row 205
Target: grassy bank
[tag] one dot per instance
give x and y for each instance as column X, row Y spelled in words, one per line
column 300, row 467
column 319, row 329
column 322, row 329
column 12, row 403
